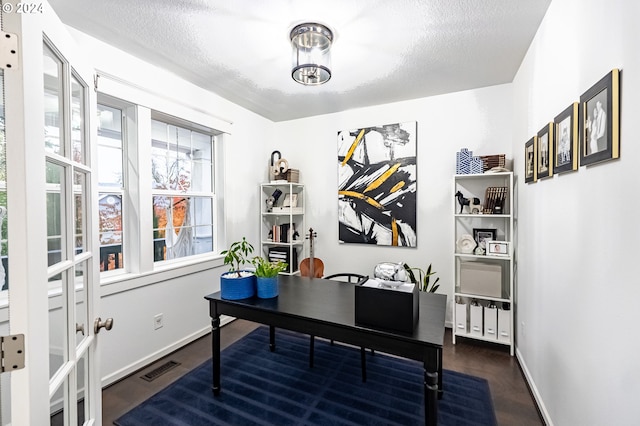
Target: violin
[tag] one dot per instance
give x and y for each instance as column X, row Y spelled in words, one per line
column 311, row 266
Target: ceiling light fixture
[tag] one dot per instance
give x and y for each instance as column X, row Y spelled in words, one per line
column 311, row 57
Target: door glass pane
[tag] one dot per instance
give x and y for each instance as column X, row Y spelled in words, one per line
column 53, row 128
column 5, row 379
column 79, row 197
column 77, row 119
column 55, row 213
column 57, row 323
column 82, row 316
column 4, row 280
column 82, row 386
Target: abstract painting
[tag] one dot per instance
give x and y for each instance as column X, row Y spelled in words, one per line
column 377, row 185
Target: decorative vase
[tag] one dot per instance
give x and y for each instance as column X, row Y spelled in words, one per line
column 233, row 287
column 267, row 287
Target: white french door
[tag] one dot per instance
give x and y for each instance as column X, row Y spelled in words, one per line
column 50, row 108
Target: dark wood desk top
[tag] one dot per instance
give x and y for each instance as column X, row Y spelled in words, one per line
column 329, row 301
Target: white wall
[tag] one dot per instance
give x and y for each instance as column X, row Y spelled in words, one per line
column 477, row 119
column 578, row 232
column 178, row 293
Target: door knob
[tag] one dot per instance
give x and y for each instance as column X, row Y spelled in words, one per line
column 80, row 327
column 98, row 324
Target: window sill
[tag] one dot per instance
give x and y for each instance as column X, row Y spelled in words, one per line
column 162, row 271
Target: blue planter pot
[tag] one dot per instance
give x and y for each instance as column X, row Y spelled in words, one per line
column 235, row 288
column 267, row 287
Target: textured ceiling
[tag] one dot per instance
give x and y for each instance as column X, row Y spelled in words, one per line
column 383, row 51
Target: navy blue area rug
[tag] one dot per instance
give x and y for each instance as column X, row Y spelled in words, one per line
column 260, row 387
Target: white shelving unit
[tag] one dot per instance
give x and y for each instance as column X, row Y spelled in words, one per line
column 483, row 283
column 286, row 221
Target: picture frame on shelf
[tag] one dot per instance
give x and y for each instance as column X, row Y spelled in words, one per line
column 566, row 135
column 530, row 169
column 600, row 120
column 482, row 235
column 544, row 152
column 290, row 200
column 497, row 248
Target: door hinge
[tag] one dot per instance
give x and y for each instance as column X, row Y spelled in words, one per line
column 12, row 352
column 95, row 82
column 8, row 50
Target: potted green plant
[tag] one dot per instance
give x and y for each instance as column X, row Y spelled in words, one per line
column 422, row 281
column 238, row 283
column 267, row 276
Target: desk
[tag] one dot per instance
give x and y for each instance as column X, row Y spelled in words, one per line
column 325, row 308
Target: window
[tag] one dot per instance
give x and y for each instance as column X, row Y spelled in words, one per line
column 182, row 190
column 110, row 187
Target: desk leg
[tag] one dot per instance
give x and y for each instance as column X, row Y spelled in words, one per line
column 215, row 354
column 440, row 388
column 272, row 338
column 431, row 389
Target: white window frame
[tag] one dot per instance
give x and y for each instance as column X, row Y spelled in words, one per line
column 125, row 108
column 140, row 269
column 166, row 119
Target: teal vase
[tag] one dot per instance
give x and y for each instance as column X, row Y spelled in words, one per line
column 267, row 287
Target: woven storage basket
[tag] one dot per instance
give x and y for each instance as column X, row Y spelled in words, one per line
column 293, row 175
column 491, row 161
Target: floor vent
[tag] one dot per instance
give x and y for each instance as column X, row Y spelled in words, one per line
column 159, row 371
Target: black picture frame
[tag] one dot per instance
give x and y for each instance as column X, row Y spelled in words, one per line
column 544, row 152
column 600, row 106
column 530, row 169
column 565, row 141
column 481, row 235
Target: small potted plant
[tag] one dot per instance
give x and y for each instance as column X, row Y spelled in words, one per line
column 423, row 278
column 267, row 276
column 238, row 283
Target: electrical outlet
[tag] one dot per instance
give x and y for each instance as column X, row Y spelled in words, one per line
column 158, row 321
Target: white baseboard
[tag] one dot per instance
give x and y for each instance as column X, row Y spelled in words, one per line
column 151, row 358
column 534, row 389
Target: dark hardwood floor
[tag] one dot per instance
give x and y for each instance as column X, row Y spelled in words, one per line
column 511, row 398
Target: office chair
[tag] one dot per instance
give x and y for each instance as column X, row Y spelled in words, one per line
column 355, row 279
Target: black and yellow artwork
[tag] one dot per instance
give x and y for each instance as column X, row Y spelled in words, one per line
column 377, row 185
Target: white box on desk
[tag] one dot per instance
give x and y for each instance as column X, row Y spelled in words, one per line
column 462, row 322
column 491, row 322
column 475, row 320
column 504, row 325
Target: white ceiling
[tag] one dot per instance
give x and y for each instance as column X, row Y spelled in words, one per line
column 384, row 50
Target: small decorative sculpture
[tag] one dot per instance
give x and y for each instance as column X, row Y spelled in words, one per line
column 276, row 194
column 278, row 168
column 473, row 204
column 270, row 201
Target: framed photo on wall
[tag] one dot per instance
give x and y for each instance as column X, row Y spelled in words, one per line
column 530, row 168
column 544, row 152
column 600, row 120
column 565, row 145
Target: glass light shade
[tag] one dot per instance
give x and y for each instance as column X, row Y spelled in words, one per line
column 311, row 45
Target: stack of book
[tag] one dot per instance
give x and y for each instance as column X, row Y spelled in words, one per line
column 283, row 254
column 494, row 200
column 283, row 233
